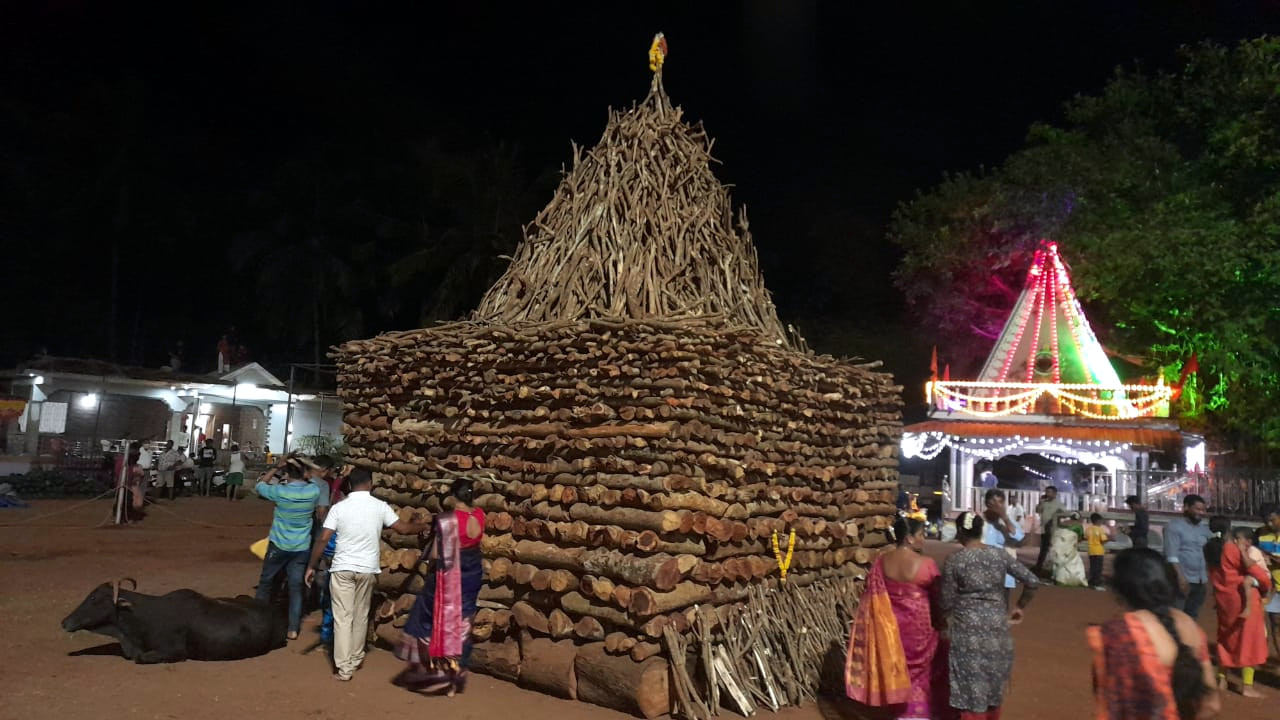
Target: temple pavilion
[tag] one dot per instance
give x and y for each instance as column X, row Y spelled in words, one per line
column 1048, row 407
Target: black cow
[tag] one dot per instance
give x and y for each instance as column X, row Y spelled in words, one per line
column 181, row 625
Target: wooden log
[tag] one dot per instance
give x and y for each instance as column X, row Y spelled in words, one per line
column 621, row 684
column 498, row 658
column 630, row 518
column 529, row 617
column 579, row 605
column 559, row 625
column 588, row 628
column 617, row 643
column 547, row 666
column 647, row 603
column 644, row 650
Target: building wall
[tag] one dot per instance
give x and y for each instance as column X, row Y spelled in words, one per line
column 310, row 417
column 114, row 417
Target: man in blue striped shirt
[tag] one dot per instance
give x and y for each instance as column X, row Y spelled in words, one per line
column 290, row 540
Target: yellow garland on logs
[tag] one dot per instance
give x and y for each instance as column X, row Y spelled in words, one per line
column 784, row 564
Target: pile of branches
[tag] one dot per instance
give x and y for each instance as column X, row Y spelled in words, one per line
column 639, row 228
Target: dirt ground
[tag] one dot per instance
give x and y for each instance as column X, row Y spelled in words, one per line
column 48, row 563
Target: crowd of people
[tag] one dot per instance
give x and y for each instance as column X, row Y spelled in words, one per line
column 325, row 533
column 929, row 643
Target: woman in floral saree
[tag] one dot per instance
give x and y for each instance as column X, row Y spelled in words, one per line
column 894, row 660
column 437, row 639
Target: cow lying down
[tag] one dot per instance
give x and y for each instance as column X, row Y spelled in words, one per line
column 181, row 625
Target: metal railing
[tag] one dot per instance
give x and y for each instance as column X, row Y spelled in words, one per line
column 1241, row 493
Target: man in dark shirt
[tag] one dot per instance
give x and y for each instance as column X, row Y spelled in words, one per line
column 1141, row 521
column 206, row 456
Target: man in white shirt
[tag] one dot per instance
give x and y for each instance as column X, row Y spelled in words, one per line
column 1000, row 531
column 358, row 522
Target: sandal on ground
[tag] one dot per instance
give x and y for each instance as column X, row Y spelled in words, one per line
column 292, row 635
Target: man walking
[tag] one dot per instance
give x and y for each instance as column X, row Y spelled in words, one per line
column 1184, row 541
column 357, row 521
column 1141, row 522
column 170, row 461
column 206, row 456
column 290, row 535
column 1049, row 509
column 999, row 531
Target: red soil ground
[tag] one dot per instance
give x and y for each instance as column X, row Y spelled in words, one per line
column 48, row 564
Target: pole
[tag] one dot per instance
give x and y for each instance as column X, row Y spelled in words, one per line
column 288, row 414
column 120, row 481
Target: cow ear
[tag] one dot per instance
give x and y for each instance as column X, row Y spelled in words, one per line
column 124, row 604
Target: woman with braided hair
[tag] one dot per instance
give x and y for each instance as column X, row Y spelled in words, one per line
column 893, row 659
column 973, row 595
column 436, row 646
column 1152, row 663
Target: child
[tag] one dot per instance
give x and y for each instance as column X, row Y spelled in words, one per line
column 1268, row 542
column 1097, row 536
column 1250, row 589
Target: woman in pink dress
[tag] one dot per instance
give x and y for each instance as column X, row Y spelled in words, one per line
column 894, row 660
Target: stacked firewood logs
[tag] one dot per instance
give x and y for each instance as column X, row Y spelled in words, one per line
column 631, row 471
column 660, row 460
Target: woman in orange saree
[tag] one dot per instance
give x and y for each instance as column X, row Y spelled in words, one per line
column 1238, row 586
column 893, row 659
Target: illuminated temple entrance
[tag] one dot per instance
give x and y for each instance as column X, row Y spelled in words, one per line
column 1048, row 408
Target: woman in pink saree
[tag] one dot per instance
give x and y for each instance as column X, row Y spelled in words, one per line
column 894, row 660
column 436, row 646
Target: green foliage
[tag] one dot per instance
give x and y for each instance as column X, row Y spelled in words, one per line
column 1164, row 193
column 316, row 445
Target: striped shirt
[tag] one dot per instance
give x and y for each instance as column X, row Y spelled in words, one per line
column 295, row 504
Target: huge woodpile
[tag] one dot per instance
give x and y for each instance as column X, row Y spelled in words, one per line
column 643, row 430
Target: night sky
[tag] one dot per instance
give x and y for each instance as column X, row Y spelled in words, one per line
column 142, row 138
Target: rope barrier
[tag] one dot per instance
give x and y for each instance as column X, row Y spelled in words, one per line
column 108, row 519
column 77, row 506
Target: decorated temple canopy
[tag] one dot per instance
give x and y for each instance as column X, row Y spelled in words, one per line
column 1048, row 361
column 1048, row 388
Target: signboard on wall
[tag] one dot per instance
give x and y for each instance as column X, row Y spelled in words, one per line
column 11, row 408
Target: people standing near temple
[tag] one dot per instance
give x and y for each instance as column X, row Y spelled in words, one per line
column 1184, row 541
column 436, row 645
column 1096, row 536
column 235, row 472
column 999, row 530
column 1017, row 515
column 1048, row 510
column 1141, row 529
column 357, row 522
column 170, row 462
column 894, row 658
column 1268, row 541
column 1238, row 584
column 206, row 457
column 973, row 595
column 290, row 536
column 1153, row 661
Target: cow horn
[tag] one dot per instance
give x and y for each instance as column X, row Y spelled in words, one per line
column 115, row 592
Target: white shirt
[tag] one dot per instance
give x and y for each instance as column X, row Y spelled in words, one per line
column 1016, row 514
column 358, row 521
column 237, row 463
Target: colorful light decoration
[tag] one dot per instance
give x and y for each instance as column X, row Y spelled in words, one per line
column 990, row 400
column 928, row 445
column 1049, row 308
